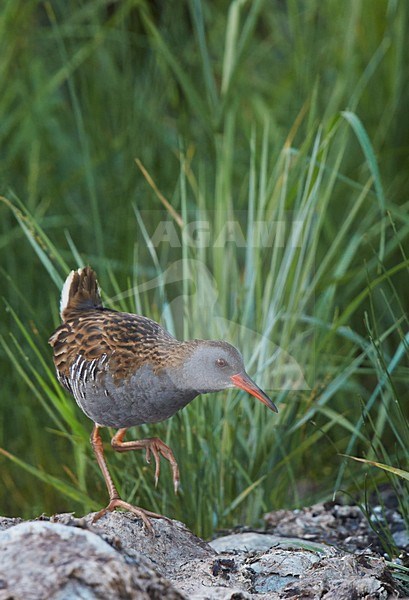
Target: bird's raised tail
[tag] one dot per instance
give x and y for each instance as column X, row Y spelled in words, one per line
column 80, row 292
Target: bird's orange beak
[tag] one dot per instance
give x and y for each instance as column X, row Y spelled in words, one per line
column 243, row 381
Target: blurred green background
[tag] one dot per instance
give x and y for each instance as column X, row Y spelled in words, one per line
column 279, row 110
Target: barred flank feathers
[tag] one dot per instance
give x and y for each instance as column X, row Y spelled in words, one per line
column 80, row 291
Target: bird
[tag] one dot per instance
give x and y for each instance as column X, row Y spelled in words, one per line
column 125, row 370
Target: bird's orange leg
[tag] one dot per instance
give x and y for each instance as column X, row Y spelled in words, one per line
column 114, row 499
column 154, row 445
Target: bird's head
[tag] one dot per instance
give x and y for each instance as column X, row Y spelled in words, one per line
column 212, row 366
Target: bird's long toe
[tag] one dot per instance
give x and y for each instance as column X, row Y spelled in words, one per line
column 157, row 446
column 152, row 448
column 141, row 513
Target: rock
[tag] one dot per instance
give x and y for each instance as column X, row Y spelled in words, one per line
column 344, row 578
column 279, row 568
column 67, row 558
column 401, row 539
column 342, row 526
column 257, row 542
column 49, row 560
column 6, row 522
column 171, row 545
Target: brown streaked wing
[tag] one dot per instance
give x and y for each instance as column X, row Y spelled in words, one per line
column 129, row 341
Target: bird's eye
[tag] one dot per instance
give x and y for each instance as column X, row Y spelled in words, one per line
column 220, row 362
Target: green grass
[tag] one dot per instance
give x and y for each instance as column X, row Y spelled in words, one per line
column 288, row 115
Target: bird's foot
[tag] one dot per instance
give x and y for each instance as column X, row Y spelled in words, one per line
column 144, row 515
column 151, row 445
column 157, row 447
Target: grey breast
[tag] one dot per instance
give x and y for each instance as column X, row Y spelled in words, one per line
column 144, row 397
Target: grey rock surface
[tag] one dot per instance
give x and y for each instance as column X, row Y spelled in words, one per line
column 340, row 525
column 253, row 541
column 66, row 558
column 49, row 560
column 6, row 522
column 171, row 545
